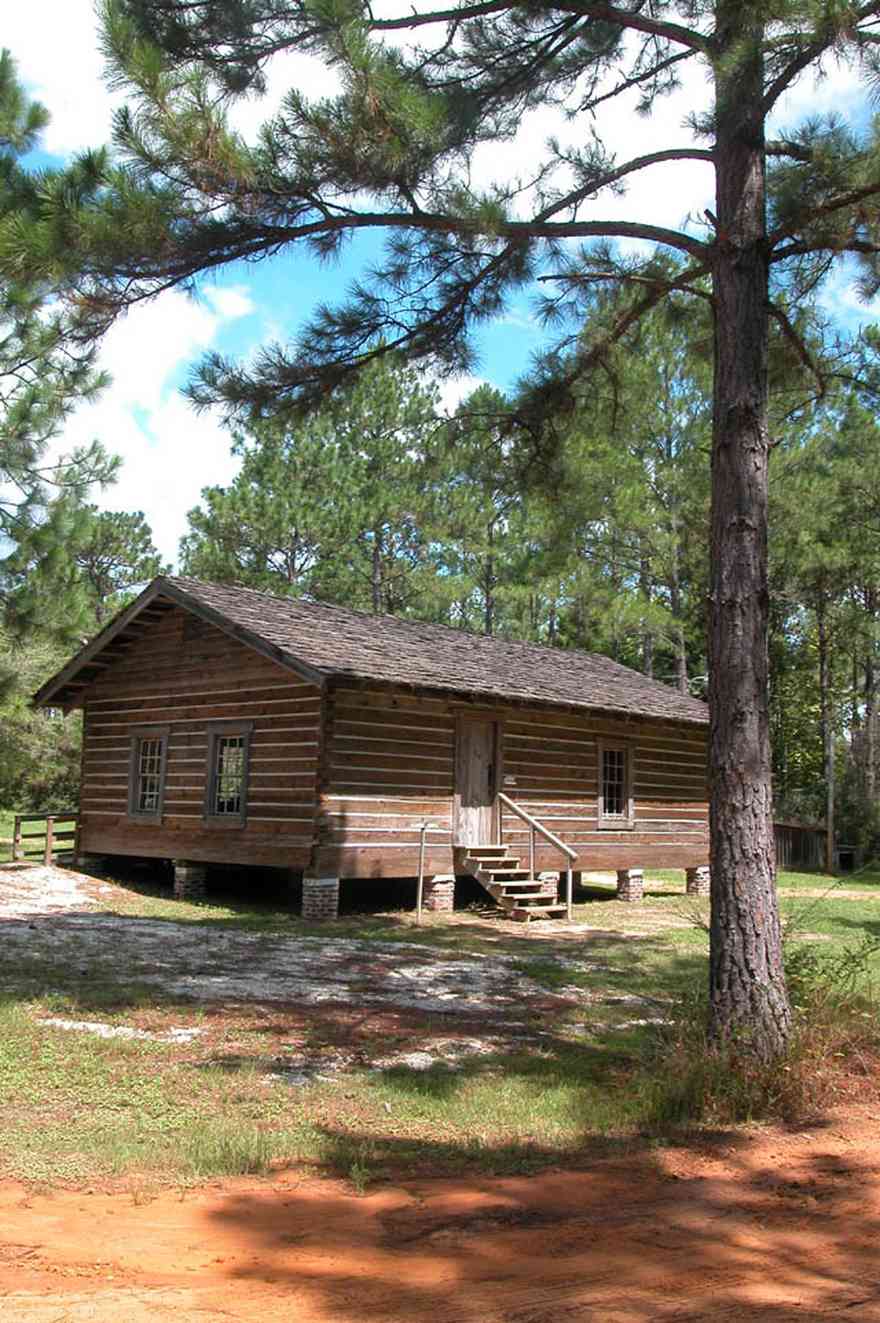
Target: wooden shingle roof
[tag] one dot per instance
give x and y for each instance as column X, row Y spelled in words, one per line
column 329, row 642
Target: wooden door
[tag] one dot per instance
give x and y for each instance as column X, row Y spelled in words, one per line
column 476, row 777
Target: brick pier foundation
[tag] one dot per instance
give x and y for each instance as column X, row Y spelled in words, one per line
column 698, row 881
column 630, row 884
column 189, row 880
column 439, row 893
column 320, row 898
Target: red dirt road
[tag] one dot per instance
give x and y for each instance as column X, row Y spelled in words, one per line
column 775, row 1226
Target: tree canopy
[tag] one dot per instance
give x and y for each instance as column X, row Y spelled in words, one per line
column 45, row 370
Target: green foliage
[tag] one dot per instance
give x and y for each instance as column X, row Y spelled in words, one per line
column 67, row 574
column 45, row 369
column 39, row 750
column 825, row 561
column 333, row 507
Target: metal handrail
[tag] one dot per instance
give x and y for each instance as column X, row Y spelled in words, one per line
column 423, row 831
column 536, row 826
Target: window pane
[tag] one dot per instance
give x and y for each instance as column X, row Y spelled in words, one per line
column 228, row 775
column 614, row 794
column 149, row 775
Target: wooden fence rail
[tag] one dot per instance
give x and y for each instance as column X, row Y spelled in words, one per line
column 46, row 834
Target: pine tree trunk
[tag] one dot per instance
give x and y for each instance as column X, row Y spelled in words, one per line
column 647, row 637
column 827, row 724
column 870, row 708
column 376, row 574
column 489, row 587
column 748, row 997
column 681, row 660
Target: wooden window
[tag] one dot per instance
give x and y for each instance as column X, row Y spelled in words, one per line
column 146, row 773
column 228, row 757
column 615, row 772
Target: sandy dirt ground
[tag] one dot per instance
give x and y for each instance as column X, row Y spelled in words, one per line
column 54, row 916
column 772, row 1227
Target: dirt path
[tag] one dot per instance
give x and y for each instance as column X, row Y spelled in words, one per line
column 28, row 890
column 51, row 918
column 771, row 1228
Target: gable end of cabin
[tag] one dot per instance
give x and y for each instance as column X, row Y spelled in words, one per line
column 196, row 747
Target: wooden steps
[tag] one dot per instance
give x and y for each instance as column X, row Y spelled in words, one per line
column 514, row 888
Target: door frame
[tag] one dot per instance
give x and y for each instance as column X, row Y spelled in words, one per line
column 461, row 720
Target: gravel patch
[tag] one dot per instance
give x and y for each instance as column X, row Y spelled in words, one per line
column 27, row 891
column 101, row 1030
column 48, row 921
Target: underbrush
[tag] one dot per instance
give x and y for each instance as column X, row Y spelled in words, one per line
column 834, row 1047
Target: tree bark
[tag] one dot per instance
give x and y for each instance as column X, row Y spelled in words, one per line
column 748, row 999
column 681, row 660
column 376, row 572
column 870, row 706
column 827, row 723
column 647, row 636
column 489, row 585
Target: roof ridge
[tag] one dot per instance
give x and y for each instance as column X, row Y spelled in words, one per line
column 544, row 648
column 322, row 640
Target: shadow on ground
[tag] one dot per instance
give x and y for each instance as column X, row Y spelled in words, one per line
column 771, row 1229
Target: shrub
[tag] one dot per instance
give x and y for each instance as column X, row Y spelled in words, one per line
column 836, row 1035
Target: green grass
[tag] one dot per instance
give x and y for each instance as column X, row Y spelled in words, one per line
column 74, row 1107
column 33, row 848
column 7, row 823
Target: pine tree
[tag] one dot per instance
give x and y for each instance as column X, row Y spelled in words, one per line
column 333, row 506
column 45, row 371
column 69, row 572
column 390, row 154
column 479, row 520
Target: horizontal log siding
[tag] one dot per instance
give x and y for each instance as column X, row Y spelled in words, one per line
column 554, row 758
column 389, row 766
column 185, row 674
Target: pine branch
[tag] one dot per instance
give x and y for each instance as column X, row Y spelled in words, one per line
column 780, row 316
column 605, row 13
column 646, row 76
column 812, row 51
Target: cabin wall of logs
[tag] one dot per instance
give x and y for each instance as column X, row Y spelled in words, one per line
column 184, row 674
column 388, row 765
column 340, row 783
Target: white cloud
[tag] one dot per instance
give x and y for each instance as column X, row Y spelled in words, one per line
column 168, row 460
column 56, row 45
column 285, row 71
column 170, row 452
column 453, row 390
column 230, row 301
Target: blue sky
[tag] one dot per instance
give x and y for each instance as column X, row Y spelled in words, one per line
column 169, row 452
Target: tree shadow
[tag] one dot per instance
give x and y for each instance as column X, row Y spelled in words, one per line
column 715, row 1229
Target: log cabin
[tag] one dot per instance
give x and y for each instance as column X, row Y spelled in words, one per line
column 226, row 725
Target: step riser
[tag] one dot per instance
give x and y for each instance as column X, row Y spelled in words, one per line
column 513, row 888
column 492, row 861
column 501, row 894
column 504, row 875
